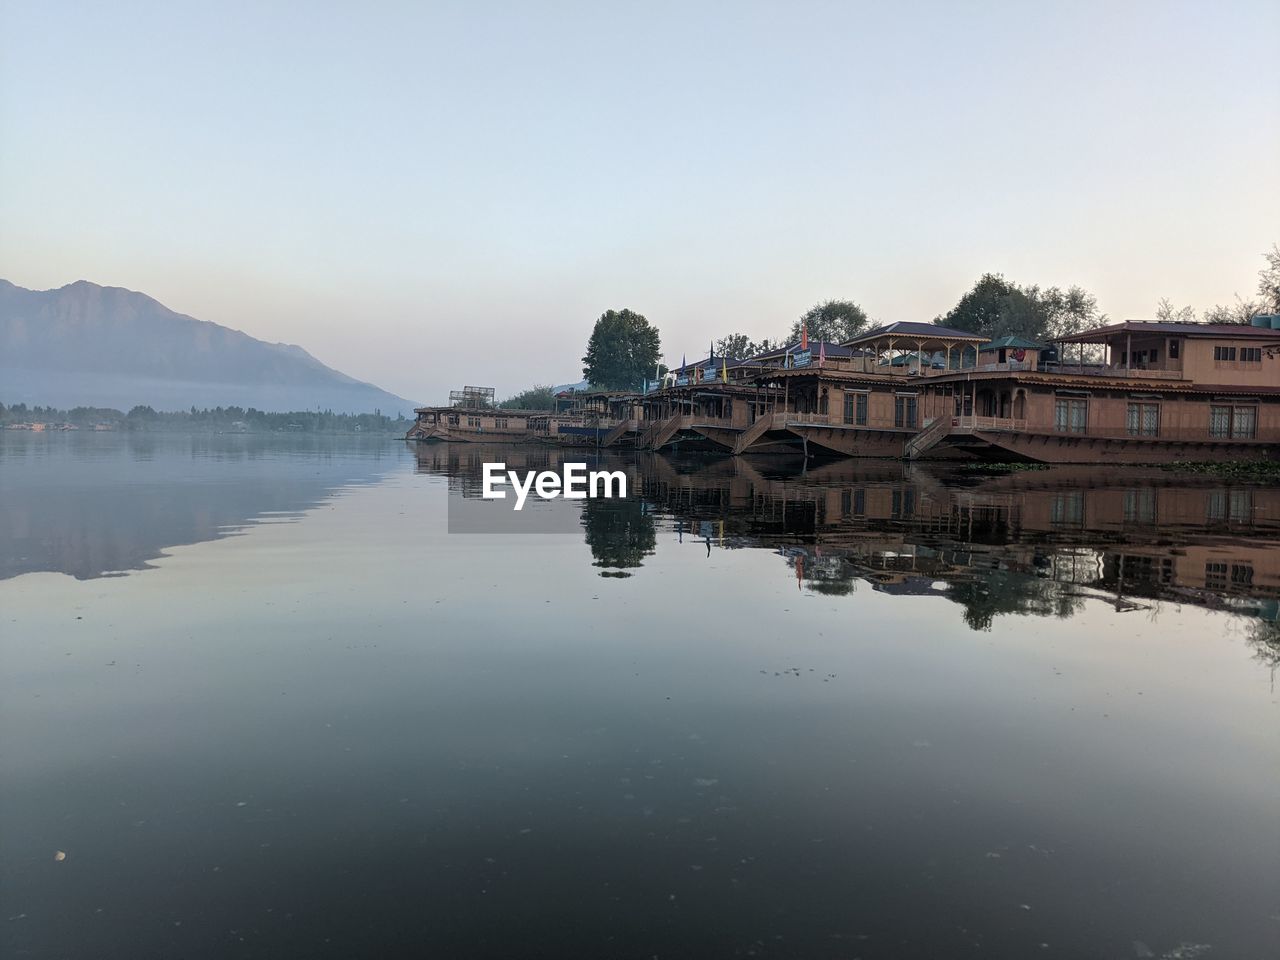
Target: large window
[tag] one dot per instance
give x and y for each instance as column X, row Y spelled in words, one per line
column 1233, row 422
column 1227, row 354
column 1143, row 420
column 1250, row 354
column 904, row 411
column 855, row 408
column 1070, row 415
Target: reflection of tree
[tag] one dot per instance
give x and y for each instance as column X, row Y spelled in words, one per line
column 619, row 533
column 1264, row 641
column 999, row 592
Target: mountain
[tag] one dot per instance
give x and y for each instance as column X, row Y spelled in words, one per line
column 86, row 345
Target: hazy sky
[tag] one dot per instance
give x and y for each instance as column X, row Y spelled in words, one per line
column 426, row 195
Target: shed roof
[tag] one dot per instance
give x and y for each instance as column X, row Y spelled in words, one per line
column 1014, row 343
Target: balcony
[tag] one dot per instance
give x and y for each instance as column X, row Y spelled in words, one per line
column 1117, row 372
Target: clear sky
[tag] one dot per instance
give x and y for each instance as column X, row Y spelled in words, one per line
column 424, row 195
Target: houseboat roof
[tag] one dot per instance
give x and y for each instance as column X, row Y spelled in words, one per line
column 1234, row 331
column 699, row 364
column 833, row 349
column 1013, row 343
column 914, row 330
column 475, row 411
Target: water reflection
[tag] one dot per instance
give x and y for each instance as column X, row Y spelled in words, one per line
column 361, row 735
column 1034, row 543
column 97, row 504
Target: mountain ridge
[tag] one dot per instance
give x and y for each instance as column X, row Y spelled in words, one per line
column 88, row 344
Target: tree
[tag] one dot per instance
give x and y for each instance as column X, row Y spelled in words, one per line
column 1071, row 311
column 623, row 351
column 1166, row 312
column 537, row 397
column 834, row 321
column 738, row 346
column 997, row 307
column 1269, row 280
column 1242, row 311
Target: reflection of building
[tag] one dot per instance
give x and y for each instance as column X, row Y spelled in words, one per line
column 1029, row 539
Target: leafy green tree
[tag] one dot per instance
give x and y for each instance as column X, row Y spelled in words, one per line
column 832, row 320
column 1069, row 311
column 997, row 307
column 623, row 351
column 738, row 346
column 538, row 397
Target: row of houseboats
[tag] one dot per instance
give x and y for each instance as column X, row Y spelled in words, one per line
column 1136, row 392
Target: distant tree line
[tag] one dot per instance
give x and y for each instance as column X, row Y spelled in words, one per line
column 226, row 419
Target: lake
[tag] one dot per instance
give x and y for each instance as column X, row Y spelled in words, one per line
column 258, row 701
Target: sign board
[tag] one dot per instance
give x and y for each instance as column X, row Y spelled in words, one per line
column 802, row 358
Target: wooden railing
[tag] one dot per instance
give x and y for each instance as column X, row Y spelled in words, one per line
column 968, row 424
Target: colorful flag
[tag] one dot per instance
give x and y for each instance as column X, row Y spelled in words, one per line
column 724, row 370
column 822, row 353
column 804, row 335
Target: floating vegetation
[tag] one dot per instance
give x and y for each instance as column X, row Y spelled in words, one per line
column 1250, row 470
column 998, row 467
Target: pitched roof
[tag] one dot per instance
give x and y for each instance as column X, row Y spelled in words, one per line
column 917, row 330
column 1233, row 330
column 1005, row 343
column 833, row 350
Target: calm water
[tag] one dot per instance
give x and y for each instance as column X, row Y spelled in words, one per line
column 268, row 707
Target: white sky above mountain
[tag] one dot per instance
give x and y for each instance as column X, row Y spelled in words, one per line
column 424, row 195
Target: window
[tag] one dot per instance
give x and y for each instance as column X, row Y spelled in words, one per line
column 1235, row 506
column 1224, row 354
column 1230, row 422
column 453, row 419
column 1250, row 354
column 1153, row 355
column 1140, row 506
column 473, row 421
column 1143, row 420
column 904, row 504
column 499, row 424
column 904, row 411
column 1173, row 349
column 1070, row 415
column 1067, row 508
column 1215, row 576
column 855, row 408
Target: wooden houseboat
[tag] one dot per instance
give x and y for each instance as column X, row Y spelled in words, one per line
column 1152, row 392
column 474, row 425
